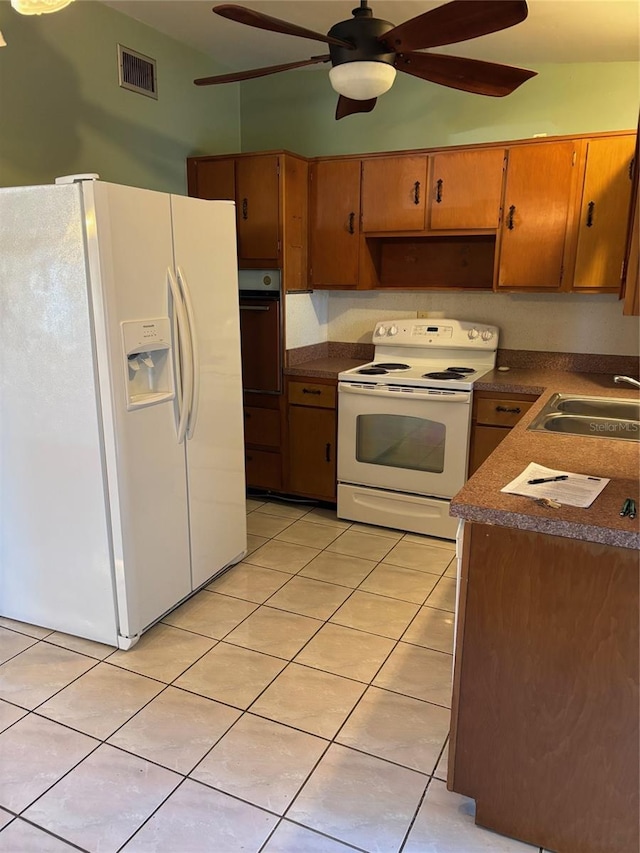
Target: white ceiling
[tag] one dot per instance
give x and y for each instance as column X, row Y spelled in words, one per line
column 555, row 31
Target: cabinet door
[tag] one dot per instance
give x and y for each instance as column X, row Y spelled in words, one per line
column 536, row 209
column 312, row 452
column 212, row 178
column 465, row 190
column 335, row 223
column 602, row 228
column 257, row 199
column 393, row 193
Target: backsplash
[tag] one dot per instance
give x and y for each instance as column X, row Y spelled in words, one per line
column 567, row 322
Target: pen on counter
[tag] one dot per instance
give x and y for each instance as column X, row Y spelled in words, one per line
column 547, row 479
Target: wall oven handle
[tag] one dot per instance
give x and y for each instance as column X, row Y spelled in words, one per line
column 254, row 307
column 409, row 394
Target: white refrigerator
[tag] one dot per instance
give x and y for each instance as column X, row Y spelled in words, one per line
column 121, row 430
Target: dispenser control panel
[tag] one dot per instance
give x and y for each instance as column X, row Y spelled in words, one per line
column 146, row 335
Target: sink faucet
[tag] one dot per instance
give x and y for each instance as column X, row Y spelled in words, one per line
column 627, row 379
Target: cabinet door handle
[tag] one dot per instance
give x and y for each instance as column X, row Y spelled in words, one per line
column 416, row 192
column 439, row 183
column 512, row 211
column 311, row 391
column 590, row 207
column 352, row 218
column 327, row 452
column 245, row 208
column 248, row 457
column 515, row 411
column 632, row 166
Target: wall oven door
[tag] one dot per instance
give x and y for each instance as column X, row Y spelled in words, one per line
column 412, row 440
column 261, row 342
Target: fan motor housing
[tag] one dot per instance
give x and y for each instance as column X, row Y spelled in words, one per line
column 363, row 32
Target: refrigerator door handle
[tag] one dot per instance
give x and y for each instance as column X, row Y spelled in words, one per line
column 184, row 377
column 195, row 354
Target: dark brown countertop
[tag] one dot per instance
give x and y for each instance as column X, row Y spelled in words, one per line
column 324, row 368
column 481, row 500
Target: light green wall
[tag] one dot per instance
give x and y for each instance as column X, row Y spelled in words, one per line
column 295, row 110
column 62, row 111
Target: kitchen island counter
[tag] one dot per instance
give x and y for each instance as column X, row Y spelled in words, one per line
column 481, row 500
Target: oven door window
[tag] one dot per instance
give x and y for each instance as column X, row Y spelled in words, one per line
column 401, row 441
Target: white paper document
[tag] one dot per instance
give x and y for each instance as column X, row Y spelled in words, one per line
column 577, row 490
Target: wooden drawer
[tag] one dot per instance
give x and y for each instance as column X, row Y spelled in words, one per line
column 263, row 469
column 262, row 426
column 312, row 394
column 500, row 411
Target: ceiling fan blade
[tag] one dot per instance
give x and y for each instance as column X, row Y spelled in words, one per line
column 258, row 72
column 348, row 106
column 469, row 75
column 456, row 21
column 274, row 25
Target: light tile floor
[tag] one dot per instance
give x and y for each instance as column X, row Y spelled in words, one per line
column 299, row 704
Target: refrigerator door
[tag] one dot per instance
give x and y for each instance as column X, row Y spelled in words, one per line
column 55, row 558
column 130, row 255
column 205, row 258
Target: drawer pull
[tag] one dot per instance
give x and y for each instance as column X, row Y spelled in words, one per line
column 327, row 452
column 311, row 391
column 515, row 411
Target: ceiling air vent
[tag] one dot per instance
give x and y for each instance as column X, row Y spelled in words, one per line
column 137, row 72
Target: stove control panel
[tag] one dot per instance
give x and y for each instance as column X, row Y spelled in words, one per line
column 439, row 333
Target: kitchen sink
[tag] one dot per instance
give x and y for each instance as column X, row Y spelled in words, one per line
column 598, row 417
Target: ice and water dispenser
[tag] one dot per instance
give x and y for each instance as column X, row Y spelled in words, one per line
column 147, row 354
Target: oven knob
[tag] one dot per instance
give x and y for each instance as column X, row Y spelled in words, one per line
column 381, row 331
column 486, row 335
column 473, row 334
column 393, row 330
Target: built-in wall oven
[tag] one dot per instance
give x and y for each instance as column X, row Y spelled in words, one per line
column 261, row 331
column 404, row 423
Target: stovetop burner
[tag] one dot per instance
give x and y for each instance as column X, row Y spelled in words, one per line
column 444, row 374
column 372, row 371
column 392, row 365
column 462, row 369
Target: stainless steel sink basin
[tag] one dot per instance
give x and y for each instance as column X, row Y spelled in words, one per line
column 597, row 417
column 599, row 407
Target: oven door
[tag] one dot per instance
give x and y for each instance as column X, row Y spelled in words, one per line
column 404, row 439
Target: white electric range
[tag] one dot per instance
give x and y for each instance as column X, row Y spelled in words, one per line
column 404, row 423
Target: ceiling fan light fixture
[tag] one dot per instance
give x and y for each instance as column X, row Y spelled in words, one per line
column 362, row 80
column 39, row 7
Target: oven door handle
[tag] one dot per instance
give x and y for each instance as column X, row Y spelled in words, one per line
column 417, row 394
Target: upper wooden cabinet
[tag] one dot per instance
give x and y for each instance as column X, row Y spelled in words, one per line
column 334, row 223
column 631, row 284
column 339, row 255
column 270, row 191
column 537, row 203
column 258, row 207
column 465, row 189
column 604, row 213
column 393, row 193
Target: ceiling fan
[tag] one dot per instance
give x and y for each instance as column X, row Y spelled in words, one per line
column 365, row 52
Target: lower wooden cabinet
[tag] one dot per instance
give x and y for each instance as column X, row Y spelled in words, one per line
column 312, row 436
column 263, row 441
column 544, row 718
column 494, row 414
